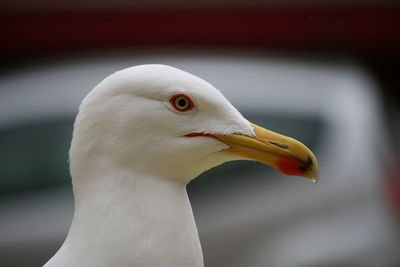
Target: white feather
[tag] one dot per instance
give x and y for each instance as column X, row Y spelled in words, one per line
column 130, row 163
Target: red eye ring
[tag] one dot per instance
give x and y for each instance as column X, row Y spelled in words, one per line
column 181, row 102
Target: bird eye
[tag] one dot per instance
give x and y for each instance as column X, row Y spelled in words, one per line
column 181, row 102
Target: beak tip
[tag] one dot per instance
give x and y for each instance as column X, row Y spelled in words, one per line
column 314, row 172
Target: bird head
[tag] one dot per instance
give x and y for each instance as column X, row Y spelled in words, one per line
column 161, row 120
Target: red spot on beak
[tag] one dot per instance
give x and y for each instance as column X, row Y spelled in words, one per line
column 290, row 166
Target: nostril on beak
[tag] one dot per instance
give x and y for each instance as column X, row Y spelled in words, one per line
column 279, row 145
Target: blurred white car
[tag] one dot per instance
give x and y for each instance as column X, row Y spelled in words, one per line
column 247, row 214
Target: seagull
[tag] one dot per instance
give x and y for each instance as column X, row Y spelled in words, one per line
column 139, row 138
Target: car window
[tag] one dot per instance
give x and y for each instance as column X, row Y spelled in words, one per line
column 35, row 156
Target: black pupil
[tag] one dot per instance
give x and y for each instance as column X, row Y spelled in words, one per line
column 182, row 102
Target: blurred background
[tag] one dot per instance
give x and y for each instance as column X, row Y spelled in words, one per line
column 323, row 72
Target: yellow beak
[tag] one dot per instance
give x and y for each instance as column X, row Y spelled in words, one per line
column 281, row 152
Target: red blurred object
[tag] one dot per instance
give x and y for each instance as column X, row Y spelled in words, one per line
column 394, row 189
column 361, row 29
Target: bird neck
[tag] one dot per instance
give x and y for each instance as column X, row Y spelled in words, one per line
column 128, row 219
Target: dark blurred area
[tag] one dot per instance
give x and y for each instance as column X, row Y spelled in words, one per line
column 323, row 72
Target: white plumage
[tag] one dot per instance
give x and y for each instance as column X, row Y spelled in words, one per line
column 133, row 153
